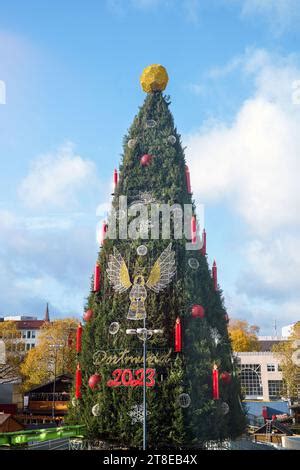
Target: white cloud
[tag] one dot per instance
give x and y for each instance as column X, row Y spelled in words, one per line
column 279, row 14
column 55, row 178
column 254, row 161
column 276, row 264
column 45, row 259
column 252, row 166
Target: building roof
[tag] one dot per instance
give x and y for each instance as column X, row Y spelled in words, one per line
column 30, row 324
column 62, row 381
column 277, row 427
column 267, row 345
column 9, row 423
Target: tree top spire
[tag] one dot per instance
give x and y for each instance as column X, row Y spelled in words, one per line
column 154, row 78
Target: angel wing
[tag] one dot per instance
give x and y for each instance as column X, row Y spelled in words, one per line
column 163, row 270
column 117, row 272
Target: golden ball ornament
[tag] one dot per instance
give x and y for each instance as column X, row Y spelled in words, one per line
column 154, row 78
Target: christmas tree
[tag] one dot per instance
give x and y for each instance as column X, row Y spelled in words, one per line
column 151, row 272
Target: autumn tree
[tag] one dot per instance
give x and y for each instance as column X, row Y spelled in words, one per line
column 287, row 353
column 13, row 343
column 54, row 353
column 243, row 336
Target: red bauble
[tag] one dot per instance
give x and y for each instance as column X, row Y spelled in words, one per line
column 198, row 311
column 94, row 380
column 146, row 160
column 88, row 315
column 226, row 377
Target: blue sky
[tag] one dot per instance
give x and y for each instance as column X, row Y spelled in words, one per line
column 71, row 71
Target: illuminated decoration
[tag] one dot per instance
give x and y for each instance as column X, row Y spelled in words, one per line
column 198, row 311
column 160, row 276
column 88, row 315
column 96, row 410
column 78, row 338
column 193, row 263
column 215, row 378
column 151, row 123
column 171, row 139
column 131, row 143
column 215, row 336
column 188, row 179
column 225, row 408
column 94, row 380
column 137, row 297
column 115, row 178
column 184, row 400
column 203, row 249
column 78, row 382
column 131, row 378
column 126, row 357
column 225, row 377
column 215, row 275
column 178, row 336
column 142, row 250
column 74, row 401
column 137, row 414
column 114, row 328
column 194, row 229
column 146, row 159
column 154, row 78
column 97, row 276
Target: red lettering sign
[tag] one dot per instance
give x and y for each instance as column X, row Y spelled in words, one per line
column 131, row 378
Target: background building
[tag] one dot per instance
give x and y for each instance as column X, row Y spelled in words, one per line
column 29, row 327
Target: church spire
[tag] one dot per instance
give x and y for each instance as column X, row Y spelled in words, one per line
column 47, row 316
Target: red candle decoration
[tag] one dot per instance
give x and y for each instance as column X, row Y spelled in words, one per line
column 188, row 179
column 94, row 380
column 146, row 159
column 215, row 378
column 78, row 338
column 194, row 229
column 198, row 311
column 115, row 178
column 178, row 337
column 104, row 232
column 203, row 249
column 78, row 381
column 215, row 275
column 97, row 276
column 88, row 315
column 226, row 377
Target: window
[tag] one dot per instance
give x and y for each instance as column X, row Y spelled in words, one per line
column 27, row 347
column 32, row 345
column 24, row 334
column 271, row 367
column 279, row 368
column 28, row 334
column 275, row 389
column 33, row 334
column 250, row 377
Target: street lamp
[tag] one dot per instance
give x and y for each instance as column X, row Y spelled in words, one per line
column 54, row 346
column 144, row 334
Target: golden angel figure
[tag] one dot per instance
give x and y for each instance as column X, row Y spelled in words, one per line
column 160, row 276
